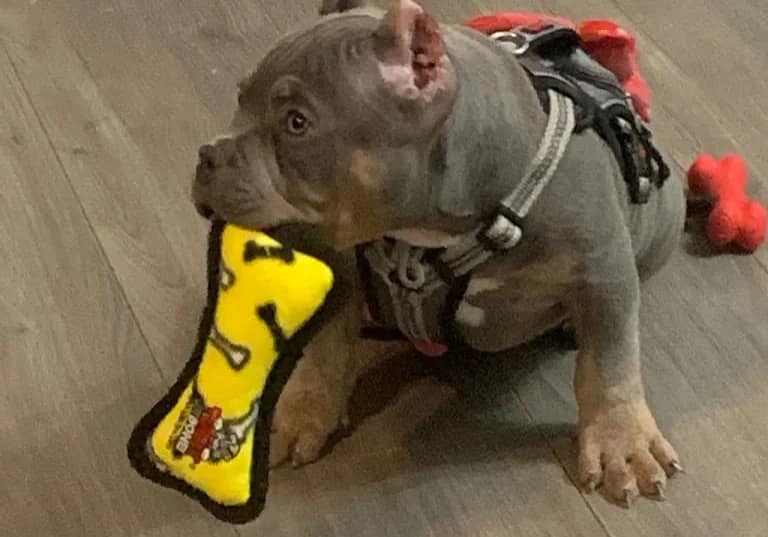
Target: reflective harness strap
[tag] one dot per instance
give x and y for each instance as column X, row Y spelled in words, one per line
column 506, row 229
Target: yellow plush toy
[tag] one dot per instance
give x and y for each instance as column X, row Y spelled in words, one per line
column 209, row 437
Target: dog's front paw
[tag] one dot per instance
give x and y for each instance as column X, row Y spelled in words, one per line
column 307, row 413
column 622, row 449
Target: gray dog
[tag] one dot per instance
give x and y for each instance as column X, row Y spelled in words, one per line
column 388, row 130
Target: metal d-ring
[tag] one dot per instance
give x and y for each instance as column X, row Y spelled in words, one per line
column 520, row 41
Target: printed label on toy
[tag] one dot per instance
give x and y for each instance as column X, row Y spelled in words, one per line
column 202, row 434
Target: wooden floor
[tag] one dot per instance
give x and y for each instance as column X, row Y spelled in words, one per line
column 102, row 106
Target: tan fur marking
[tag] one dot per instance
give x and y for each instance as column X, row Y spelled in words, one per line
column 365, row 170
column 362, row 188
column 556, row 269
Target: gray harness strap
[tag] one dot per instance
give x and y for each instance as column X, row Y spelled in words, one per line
column 415, row 286
column 506, row 230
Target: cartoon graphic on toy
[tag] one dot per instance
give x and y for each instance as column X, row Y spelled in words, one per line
column 236, row 355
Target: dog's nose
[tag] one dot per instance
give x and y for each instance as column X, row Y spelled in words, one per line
column 220, row 153
column 207, row 156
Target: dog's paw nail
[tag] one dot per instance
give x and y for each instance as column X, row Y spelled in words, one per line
column 591, row 483
column 297, row 460
column 659, row 495
column 345, row 423
column 629, row 498
column 676, row 468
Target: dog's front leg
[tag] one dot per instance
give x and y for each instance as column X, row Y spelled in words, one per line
column 314, row 401
column 620, row 444
column 313, row 404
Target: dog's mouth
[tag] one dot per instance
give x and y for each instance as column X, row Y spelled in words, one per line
column 205, row 211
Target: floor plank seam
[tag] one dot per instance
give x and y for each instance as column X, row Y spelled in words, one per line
column 763, row 265
column 711, row 110
column 88, row 223
column 280, row 31
column 564, row 468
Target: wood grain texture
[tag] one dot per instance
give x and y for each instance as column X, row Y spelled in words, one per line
column 76, row 369
column 104, row 104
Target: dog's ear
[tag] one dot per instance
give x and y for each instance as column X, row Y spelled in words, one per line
column 411, row 52
column 338, row 6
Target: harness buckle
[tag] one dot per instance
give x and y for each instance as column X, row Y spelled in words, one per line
column 642, row 191
column 412, row 278
column 505, row 231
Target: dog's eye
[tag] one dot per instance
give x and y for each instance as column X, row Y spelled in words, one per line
column 296, row 123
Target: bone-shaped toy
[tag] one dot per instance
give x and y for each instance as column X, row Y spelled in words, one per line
column 209, row 436
column 735, row 218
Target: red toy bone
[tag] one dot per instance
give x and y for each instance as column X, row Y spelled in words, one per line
column 734, row 218
column 609, row 44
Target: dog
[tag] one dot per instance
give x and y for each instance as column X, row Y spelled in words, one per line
column 386, row 127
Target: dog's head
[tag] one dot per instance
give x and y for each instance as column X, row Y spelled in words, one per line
column 334, row 127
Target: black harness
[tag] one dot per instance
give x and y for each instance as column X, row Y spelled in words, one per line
column 554, row 59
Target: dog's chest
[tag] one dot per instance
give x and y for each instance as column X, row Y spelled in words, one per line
column 408, row 292
column 507, row 306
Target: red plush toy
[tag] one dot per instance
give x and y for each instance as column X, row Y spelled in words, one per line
column 611, row 45
column 616, row 50
column 734, row 218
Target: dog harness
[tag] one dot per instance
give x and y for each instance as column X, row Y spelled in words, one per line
column 414, row 292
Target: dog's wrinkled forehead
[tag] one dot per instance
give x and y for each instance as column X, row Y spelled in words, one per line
column 327, row 57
